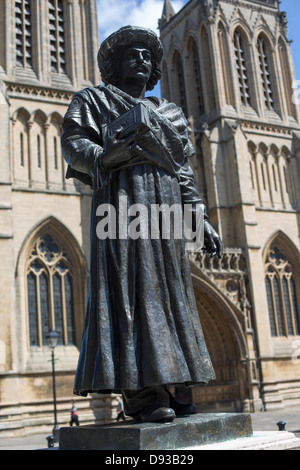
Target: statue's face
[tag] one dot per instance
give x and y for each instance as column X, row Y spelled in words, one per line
column 136, row 64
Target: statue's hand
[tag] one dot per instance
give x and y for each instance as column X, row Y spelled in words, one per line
column 212, row 241
column 116, row 151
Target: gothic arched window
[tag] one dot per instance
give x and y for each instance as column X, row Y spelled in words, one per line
column 23, row 31
column 241, row 67
column 50, row 293
column 165, row 81
column 281, row 294
column 179, row 77
column 225, row 65
column 196, row 104
column 286, row 77
column 265, row 72
column 57, row 36
column 206, row 64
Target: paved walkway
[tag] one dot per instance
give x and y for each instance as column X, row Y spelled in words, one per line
column 267, row 420
column 262, row 421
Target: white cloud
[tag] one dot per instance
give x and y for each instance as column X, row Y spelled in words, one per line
column 113, row 14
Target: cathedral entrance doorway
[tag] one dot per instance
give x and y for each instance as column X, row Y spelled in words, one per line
column 227, row 347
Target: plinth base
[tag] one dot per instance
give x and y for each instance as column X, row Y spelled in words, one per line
column 261, row 440
column 196, row 430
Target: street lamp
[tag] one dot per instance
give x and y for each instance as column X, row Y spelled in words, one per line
column 52, row 339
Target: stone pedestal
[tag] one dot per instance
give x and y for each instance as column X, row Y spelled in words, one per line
column 261, row 440
column 197, row 430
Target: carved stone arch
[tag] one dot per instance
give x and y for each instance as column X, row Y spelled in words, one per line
column 21, row 112
column 71, row 257
column 252, row 147
column 175, row 47
column 222, row 325
column 202, row 28
column 280, row 40
column 285, row 151
column 263, row 148
column 221, row 24
column 274, row 150
column 263, row 29
column 58, row 228
column 39, row 115
column 243, row 28
column 55, row 117
column 176, row 52
column 20, row 121
column 54, row 122
column 189, row 35
column 286, row 244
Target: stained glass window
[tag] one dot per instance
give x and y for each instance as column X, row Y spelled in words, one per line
column 69, row 309
column 32, row 309
column 270, row 306
column 281, row 294
column 58, row 306
column 50, row 294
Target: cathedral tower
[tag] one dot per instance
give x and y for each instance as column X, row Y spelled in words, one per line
column 229, row 65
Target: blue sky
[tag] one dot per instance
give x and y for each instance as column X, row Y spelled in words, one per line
column 112, row 14
column 292, row 7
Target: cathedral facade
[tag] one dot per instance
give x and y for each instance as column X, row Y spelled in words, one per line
column 48, row 50
column 228, row 64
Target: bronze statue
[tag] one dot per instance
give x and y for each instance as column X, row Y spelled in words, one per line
column 142, row 331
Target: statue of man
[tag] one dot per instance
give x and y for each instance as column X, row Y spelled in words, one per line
column 142, row 331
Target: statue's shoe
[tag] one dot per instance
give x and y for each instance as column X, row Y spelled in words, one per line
column 182, row 409
column 155, row 413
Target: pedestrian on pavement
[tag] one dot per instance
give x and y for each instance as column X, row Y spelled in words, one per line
column 74, row 414
column 120, row 409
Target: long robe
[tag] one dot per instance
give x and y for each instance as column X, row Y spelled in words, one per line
column 142, row 326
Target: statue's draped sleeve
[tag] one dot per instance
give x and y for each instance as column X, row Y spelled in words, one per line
column 82, row 143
